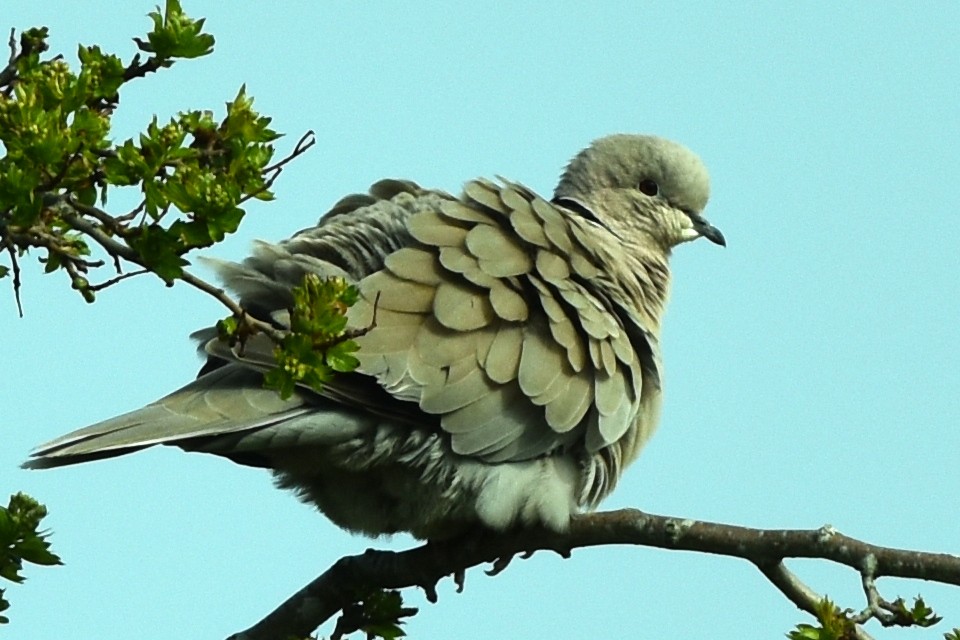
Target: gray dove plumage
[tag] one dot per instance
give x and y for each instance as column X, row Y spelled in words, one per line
column 514, row 370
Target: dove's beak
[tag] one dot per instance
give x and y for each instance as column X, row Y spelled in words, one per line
column 707, row 230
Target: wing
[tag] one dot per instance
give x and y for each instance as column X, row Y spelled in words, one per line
column 496, row 320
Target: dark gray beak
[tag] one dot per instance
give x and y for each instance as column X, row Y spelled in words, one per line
column 707, row 230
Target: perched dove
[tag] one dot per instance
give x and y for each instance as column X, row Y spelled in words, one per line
column 514, row 368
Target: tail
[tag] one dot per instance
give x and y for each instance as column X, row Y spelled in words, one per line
column 228, row 400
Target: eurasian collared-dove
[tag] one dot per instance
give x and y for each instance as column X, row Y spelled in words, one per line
column 514, row 368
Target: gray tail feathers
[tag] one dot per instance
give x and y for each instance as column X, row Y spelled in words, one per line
column 228, row 400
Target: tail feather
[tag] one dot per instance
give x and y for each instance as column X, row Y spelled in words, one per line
column 228, row 400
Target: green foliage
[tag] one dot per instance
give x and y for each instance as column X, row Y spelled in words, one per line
column 193, row 172
column 318, row 343
column 20, row 541
column 378, row 615
column 176, row 36
column 918, row 615
column 835, row 624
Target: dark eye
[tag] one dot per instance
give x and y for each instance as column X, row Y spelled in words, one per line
column 649, row 187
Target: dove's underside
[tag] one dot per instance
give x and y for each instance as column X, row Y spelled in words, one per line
column 512, row 372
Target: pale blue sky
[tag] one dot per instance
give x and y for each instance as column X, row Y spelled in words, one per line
column 813, row 367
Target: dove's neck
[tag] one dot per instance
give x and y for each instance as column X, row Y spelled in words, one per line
column 643, row 274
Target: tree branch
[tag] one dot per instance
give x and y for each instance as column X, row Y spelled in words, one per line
column 117, row 249
column 799, row 593
column 136, row 69
column 9, row 72
column 273, row 171
column 425, row 566
column 15, row 267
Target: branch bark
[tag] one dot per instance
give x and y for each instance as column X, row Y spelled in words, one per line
column 425, row 566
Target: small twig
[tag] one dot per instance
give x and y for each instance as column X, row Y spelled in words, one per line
column 53, row 181
column 15, row 267
column 876, row 606
column 122, row 251
column 86, row 227
column 53, row 245
column 238, row 311
column 10, row 71
column 113, row 281
column 137, row 70
column 101, row 216
column 127, row 217
column 12, row 43
column 306, row 141
column 798, row 592
column 352, row 334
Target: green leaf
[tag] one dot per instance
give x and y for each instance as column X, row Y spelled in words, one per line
column 316, row 347
column 174, row 35
column 806, row 632
column 87, row 195
column 227, row 328
column 160, row 251
column 20, row 541
column 339, row 358
column 36, row 550
column 384, row 630
column 835, row 624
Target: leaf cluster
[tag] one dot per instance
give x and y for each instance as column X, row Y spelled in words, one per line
column 377, row 614
column 318, row 344
column 59, row 161
column 21, row 541
column 835, row 623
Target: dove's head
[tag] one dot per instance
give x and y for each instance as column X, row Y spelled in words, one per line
column 645, row 184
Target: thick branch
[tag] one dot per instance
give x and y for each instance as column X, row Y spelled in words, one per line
column 426, row 565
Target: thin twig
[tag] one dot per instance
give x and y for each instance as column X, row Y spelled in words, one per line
column 306, row 141
column 113, row 281
column 875, row 604
column 53, row 181
column 127, row 217
column 9, row 72
column 117, row 249
column 15, row 267
column 798, row 592
column 234, row 307
column 137, row 70
column 54, row 244
column 86, row 227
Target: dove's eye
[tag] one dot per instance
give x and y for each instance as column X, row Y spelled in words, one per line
column 649, row 187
